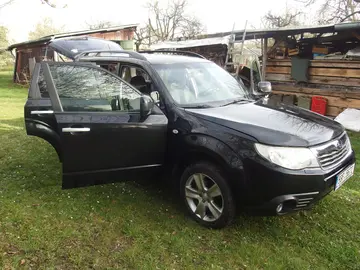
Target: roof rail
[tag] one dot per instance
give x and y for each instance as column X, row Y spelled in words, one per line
column 185, row 53
column 97, row 53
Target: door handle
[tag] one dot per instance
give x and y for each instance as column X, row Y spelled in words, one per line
column 70, row 130
column 42, row 112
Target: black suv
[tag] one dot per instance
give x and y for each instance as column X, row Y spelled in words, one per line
column 115, row 115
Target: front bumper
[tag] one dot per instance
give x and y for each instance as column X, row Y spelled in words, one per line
column 267, row 187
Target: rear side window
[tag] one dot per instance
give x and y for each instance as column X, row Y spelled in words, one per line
column 83, row 88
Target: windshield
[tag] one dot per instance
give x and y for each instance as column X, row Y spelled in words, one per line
column 196, row 84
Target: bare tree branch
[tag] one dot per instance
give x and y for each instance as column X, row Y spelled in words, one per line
column 49, row 3
column 334, row 11
column 6, row 3
column 306, row 2
column 166, row 23
column 348, row 16
column 98, row 25
column 142, row 37
column 285, row 19
column 191, row 28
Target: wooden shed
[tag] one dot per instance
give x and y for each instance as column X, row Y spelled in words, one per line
column 303, row 62
column 213, row 49
column 336, row 80
column 28, row 53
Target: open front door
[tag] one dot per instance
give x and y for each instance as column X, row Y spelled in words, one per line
column 103, row 137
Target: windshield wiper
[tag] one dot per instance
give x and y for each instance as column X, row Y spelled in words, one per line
column 236, row 101
column 201, row 106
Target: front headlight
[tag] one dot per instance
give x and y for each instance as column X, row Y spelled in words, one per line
column 294, row 158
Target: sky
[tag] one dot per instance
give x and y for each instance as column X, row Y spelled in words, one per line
column 21, row 16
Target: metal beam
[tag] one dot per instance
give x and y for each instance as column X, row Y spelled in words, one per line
column 264, row 58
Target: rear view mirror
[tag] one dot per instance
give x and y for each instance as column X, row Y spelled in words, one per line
column 146, row 106
column 265, row 87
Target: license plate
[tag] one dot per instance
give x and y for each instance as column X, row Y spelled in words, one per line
column 342, row 177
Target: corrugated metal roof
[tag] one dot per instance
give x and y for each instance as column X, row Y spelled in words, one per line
column 263, row 33
column 46, row 39
column 198, row 43
column 223, row 37
column 191, row 43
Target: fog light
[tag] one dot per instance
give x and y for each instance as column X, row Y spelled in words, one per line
column 279, row 208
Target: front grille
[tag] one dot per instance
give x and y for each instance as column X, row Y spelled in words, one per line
column 331, row 154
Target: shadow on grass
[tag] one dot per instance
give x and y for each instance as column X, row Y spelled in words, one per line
column 162, row 189
column 9, row 125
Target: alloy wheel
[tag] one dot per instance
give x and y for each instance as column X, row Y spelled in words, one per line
column 204, row 197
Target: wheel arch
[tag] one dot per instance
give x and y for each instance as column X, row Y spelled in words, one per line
column 212, row 150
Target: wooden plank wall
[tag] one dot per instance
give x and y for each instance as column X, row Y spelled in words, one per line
column 336, row 80
column 123, row 34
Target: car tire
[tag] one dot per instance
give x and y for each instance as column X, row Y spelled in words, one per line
column 203, row 186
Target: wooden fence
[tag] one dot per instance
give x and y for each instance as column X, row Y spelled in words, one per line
column 336, row 80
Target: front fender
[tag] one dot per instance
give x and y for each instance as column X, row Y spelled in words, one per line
column 201, row 147
column 214, row 148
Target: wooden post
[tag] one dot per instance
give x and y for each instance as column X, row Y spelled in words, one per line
column 32, row 63
column 264, row 58
column 18, row 68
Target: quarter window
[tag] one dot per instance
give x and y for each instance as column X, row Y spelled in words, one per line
column 83, row 88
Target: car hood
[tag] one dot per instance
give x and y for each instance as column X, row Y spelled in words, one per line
column 279, row 125
column 73, row 46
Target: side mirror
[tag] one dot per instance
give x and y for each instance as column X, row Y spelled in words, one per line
column 155, row 96
column 146, row 106
column 265, row 87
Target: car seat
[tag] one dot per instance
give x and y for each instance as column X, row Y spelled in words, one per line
column 139, row 83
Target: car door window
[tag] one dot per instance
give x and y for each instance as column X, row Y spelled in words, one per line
column 137, row 77
column 85, row 88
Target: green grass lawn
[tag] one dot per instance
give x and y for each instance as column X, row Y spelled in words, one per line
column 137, row 226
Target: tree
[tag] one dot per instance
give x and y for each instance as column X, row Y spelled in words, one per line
column 192, row 27
column 3, row 37
column 167, row 22
column 5, row 57
column 142, row 37
column 45, row 28
column 52, row 4
column 335, row 11
column 99, row 25
column 288, row 18
column 5, row 3
column 48, row 2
